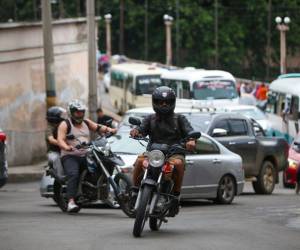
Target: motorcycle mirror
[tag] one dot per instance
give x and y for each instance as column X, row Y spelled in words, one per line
column 194, row 134
column 70, row 137
column 134, row 121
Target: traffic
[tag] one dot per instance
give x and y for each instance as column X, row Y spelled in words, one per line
column 133, row 166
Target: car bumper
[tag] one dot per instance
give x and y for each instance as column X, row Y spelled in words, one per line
column 240, row 187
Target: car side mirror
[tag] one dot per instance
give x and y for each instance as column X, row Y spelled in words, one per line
column 218, row 132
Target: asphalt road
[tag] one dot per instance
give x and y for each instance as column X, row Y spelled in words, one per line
column 29, row 222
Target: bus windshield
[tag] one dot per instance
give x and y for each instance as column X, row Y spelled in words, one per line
column 214, row 89
column 146, row 84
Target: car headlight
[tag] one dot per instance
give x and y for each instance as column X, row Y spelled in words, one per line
column 156, row 158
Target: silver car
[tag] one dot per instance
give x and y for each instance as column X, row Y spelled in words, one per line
column 212, row 171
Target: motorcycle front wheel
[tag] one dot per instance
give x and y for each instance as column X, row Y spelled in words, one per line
column 142, row 211
column 155, row 223
column 125, row 200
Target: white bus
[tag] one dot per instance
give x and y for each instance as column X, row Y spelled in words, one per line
column 283, row 105
column 205, row 87
column 132, row 85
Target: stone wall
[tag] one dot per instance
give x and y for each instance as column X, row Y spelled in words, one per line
column 22, row 81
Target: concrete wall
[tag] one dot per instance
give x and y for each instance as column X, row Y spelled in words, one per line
column 22, row 82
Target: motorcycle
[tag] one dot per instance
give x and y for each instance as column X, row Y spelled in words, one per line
column 155, row 199
column 102, row 172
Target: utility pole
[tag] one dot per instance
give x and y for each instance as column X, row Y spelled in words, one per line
column 61, row 9
column 177, row 33
column 146, row 31
column 269, row 40
column 168, row 23
column 90, row 12
column 216, row 35
column 121, row 41
column 48, row 54
column 107, row 18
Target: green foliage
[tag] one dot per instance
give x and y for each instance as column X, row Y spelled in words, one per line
column 242, row 30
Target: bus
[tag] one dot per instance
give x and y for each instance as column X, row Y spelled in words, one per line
column 206, row 87
column 132, row 84
column 283, row 105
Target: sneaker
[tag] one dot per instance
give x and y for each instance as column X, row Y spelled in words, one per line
column 72, row 207
column 297, row 188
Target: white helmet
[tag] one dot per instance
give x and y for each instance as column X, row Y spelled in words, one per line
column 76, row 105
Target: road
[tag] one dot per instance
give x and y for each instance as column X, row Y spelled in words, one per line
column 29, row 222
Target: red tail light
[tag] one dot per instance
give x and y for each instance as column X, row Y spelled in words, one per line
column 2, row 136
column 168, row 168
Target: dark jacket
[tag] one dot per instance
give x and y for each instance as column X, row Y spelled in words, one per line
column 168, row 130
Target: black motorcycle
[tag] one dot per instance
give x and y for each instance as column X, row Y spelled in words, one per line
column 102, row 172
column 155, row 200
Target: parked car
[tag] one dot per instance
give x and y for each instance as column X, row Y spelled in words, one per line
column 212, row 171
column 3, row 160
column 263, row 157
column 289, row 175
column 254, row 113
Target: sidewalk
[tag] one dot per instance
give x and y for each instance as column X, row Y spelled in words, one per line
column 26, row 173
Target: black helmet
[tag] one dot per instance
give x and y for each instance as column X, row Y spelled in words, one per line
column 163, row 100
column 76, row 105
column 56, row 114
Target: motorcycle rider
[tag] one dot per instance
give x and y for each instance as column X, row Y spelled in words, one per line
column 55, row 115
column 73, row 159
column 169, row 128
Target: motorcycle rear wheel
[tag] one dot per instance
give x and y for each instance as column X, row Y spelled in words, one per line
column 142, row 212
column 124, row 201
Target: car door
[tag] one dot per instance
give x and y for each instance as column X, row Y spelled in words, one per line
column 244, row 143
column 202, row 170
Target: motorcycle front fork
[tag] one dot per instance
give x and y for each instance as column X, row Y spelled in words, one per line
column 154, row 197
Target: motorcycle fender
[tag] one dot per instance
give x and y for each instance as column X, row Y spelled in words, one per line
column 149, row 182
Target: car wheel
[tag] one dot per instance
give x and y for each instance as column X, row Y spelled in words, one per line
column 226, row 190
column 266, row 179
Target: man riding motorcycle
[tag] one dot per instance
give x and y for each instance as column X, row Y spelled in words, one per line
column 55, row 115
column 165, row 127
column 73, row 159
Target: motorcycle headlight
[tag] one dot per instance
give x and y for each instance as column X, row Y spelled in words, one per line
column 293, row 163
column 156, row 158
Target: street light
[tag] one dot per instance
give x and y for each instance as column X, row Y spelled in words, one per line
column 282, row 26
column 107, row 18
column 168, row 23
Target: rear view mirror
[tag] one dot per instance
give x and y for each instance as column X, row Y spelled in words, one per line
column 218, row 132
column 134, row 121
column 194, row 134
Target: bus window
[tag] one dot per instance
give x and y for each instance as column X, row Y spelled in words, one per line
column 294, row 111
column 146, row 84
column 181, row 88
column 215, row 89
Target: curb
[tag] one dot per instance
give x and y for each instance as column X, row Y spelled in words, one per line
column 26, row 173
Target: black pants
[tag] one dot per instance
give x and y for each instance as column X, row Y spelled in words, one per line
column 72, row 165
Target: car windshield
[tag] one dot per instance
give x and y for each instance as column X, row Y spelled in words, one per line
column 199, row 121
column 256, row 114
column 122, row 144
column 214, row 89
column 146, row 84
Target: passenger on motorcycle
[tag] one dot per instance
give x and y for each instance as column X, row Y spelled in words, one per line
column 165, row 127
column 73, row 159
column 55, row 115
